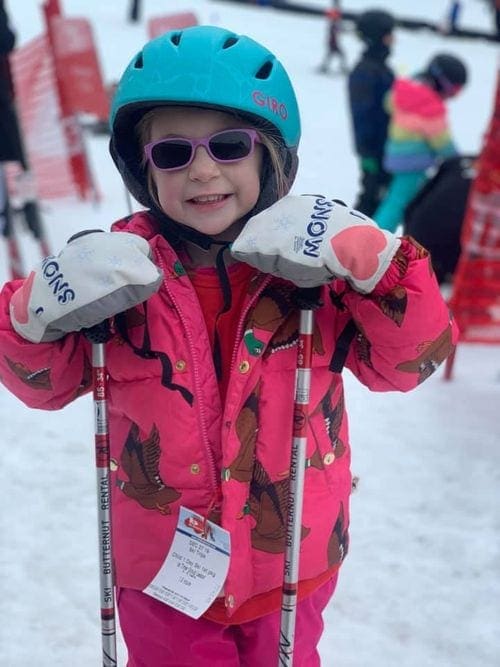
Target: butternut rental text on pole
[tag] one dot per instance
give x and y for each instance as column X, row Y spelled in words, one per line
column 296, row 489
column 102, row 456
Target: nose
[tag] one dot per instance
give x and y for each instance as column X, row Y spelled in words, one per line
column 203, row 167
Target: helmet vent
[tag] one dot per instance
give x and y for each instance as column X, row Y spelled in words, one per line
column 230, row 41
column 176, row 38
column 138, row 61
column 265, row 70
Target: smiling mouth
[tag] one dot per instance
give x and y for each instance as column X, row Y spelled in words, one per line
column 208, row 199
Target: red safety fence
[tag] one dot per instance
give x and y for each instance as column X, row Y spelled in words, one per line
column 157, row 25
column 475, row 298
column 40, row 117
column 57, row 78
column 77, row 67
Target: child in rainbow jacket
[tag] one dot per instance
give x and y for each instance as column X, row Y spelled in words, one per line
column 418, row 134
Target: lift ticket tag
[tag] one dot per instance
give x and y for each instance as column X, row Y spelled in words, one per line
column 196, row 565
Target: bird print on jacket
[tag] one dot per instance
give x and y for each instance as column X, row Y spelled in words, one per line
column 332, row 419
column 364, row 349
column 267, row 502
column 86, row 381
column 432, row 354
column 140, row 460
column 277, row 312
column 35, row 378
column 339, row 540
column 394, row 304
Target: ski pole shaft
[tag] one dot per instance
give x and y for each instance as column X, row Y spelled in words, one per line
column 102, row 457
column 296, row 488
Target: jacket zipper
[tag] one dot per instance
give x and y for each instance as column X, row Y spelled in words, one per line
column 198, row 393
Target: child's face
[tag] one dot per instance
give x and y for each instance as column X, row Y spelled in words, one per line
column 206, row 195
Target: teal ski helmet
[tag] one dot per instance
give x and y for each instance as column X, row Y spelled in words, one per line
column 207, row 67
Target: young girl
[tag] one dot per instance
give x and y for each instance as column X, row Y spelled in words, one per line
column 205, row 130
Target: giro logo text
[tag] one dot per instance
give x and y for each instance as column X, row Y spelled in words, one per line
column 271, row 103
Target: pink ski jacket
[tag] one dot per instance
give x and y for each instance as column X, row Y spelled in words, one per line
column 173, row 443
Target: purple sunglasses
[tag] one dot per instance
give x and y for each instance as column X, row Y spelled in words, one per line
column 174, row 153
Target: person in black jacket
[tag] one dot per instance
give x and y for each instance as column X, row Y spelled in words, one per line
column 369, row 81
column 10, row 140
column 12, row 150
column 9, row 131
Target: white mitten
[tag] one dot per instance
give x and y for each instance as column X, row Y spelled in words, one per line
column 310, row 240
column 94, row 277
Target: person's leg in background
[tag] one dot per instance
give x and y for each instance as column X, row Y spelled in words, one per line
column 402, row 189
column 7, row 230
column 373, row 185
column 5, row 219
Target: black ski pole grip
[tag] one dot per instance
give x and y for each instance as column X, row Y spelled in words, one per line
column 308, row 298
column 99, row 333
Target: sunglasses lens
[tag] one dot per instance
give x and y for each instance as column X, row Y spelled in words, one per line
column 231, row 145
column 171, row 154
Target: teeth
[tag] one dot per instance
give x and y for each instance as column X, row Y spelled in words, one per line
column 208, row 198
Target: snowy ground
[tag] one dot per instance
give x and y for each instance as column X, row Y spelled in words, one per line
column 421, row 585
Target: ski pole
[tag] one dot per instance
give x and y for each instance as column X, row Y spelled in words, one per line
column 98, row 336
column 296, row 483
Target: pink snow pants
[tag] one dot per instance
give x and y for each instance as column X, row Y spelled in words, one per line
column 158, row 636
